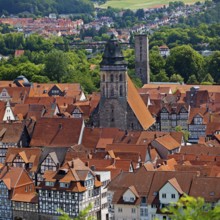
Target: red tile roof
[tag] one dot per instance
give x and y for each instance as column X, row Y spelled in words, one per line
column 62, row 132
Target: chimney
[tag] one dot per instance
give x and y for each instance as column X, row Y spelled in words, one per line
column 60, row 126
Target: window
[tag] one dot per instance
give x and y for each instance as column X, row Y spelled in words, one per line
column 49, row 183
column 64, row 185
column 164, row 196
column 120, row 77
column 111, row 78
column 121, row 90
column 103, row 78
column 120, row 210
column 173, row 196
column 133, row 210
column 112, row 91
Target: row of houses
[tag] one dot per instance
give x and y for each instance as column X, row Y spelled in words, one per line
column 45, row 26
column 193, row 108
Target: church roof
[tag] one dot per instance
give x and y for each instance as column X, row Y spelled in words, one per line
column 139, row 108
column 113, row 54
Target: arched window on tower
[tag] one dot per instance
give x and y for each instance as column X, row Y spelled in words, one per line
column 111, row 78
column 121, row 90
column 103, row 90
column 120, row 78
column 103, row 77
column 112, row 91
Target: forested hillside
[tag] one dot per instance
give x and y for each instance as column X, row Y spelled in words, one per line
column 44, row 7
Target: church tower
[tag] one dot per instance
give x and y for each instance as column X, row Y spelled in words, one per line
column 120, row 104
column 113, row 86
column 142, row 68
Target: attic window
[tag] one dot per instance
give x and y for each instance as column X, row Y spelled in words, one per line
column 64, row 185
column 131, row 199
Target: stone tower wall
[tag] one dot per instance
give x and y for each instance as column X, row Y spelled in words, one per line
column 142, row 69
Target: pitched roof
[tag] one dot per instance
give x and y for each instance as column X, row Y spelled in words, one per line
column 176, row 185
column 168, row 142
column 16, row 177
column 63, row 132
column 134, row 191
column 184, row 180
column 69, row 89
column 139, row 108
column 197, row 150
column 12, row 132
column 208, row 188
column 129, row 148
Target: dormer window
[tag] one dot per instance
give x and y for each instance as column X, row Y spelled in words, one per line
column 48, row 183
column 64, row 185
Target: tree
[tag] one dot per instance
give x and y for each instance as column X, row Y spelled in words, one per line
column 56, row 65
column 185, row 133
column 140, row 14
column 160, row 77
column 208, row 80
column 192, row 80
column 190, row 208
column 214, row 66
column 83, row 214
column 157, row 62
column 185, row 61
column 176, row 78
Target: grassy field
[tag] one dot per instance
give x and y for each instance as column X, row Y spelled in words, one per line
column 136, row 4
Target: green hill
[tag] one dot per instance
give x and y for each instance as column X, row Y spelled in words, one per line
column 132, row 4
column 44, row 7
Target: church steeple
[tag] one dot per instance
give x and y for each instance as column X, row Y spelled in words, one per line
column 113, row 71
column 113, row 56
column 120, row 105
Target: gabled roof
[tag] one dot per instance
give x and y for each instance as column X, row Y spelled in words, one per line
column 176, row 185
column 16, row 177
column 29, row 155
column 73, row 172
column 139, row 108
column 202, row 112
column 134, row 191
column 184, row 180
column 62, row 132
